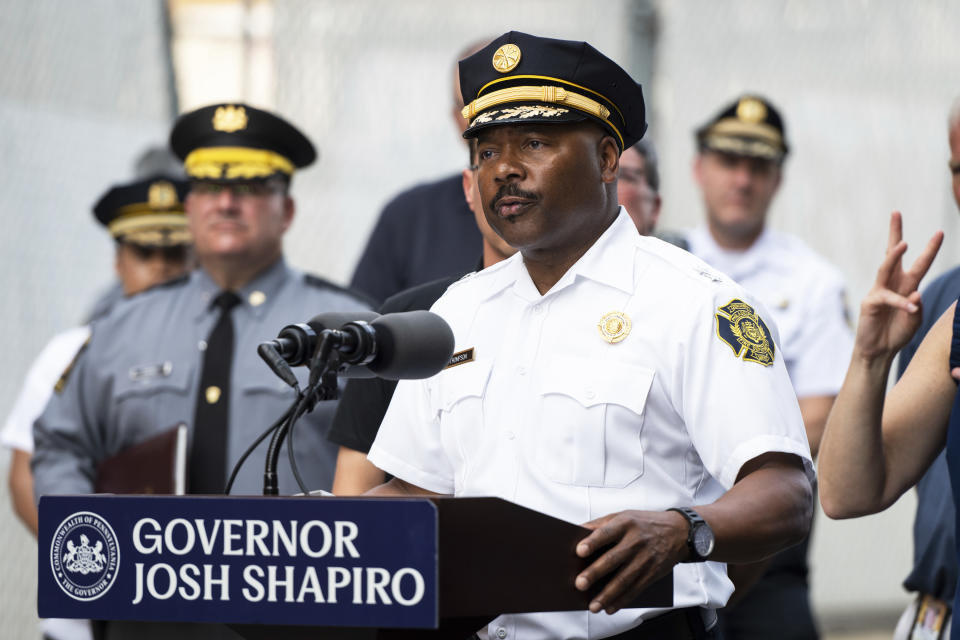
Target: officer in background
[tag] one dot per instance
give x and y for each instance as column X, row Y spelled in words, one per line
column 187, row 352
column 739, row 168
column 934, row 575
column 151, row 251
column 603, row 377
column 424, row 233
column 638, row 190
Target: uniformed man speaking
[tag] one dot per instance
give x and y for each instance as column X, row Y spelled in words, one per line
column 606, row 378
column 186, row 352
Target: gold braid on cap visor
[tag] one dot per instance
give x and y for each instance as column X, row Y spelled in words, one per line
column 548, row 94
column 758, row 130
column 231, row 163
column 130, row 223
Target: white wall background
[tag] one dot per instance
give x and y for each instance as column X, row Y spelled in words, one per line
column 864, row 86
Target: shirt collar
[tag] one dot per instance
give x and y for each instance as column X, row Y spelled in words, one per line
column 610, row 261
column 253, row 296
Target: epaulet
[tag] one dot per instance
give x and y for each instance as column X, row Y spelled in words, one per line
column 62, row 380
column 323, row 283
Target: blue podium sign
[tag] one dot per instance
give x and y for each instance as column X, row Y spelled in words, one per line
column 293, row 561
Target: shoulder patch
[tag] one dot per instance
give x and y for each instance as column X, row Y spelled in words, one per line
column 739, row 326
column 62, row 380
column 323, row 283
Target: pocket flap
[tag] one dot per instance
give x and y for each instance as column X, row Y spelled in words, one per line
column 590, row 383
column 148, row 379
column 463, row 381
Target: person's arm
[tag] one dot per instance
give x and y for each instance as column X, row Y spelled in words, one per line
column 21, row 489
column 875, row 448
column 769, row 508
column 398, row 487
column 355, row 474
column 815, row 410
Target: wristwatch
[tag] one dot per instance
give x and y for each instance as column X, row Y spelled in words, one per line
column 700, row 540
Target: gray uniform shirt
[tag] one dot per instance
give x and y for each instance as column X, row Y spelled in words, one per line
column 140, row 372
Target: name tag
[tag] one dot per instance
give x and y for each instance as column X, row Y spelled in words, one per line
column 460, row 357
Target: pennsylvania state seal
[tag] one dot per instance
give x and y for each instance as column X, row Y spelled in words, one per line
column 741, row 328
column 84, row 556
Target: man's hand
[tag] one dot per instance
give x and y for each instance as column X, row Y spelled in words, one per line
column 889, row 313
column 646, row 546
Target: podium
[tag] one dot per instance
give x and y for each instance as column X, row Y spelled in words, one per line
column 320, row 567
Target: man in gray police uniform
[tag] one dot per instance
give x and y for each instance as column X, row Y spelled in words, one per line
column 149, row 366
column 608, row 378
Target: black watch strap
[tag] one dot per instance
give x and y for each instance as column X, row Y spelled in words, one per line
column 695, row 522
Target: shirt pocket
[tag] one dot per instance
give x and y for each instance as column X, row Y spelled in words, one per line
column 150, row 399
column 588, row 429
column 460, row 395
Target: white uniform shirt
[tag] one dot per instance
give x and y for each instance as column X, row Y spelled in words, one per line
column 805, row 295
column 551, row 416
column 38, row 387
column 18, row 434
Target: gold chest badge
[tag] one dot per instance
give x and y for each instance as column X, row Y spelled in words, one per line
column 230, row 118
column 739, row 326
column 614, row 326
column 506, row 58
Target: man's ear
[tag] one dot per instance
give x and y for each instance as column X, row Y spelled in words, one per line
column 608, row 154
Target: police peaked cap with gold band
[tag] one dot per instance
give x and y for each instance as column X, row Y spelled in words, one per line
column 520, row 78
column 146, row 212
column 228, row 142
column 751, row 126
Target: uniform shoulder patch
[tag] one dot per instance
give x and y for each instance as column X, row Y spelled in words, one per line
column 62, row 380
column 739, row 326
column 323, row 283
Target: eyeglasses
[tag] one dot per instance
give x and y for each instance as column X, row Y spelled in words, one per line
column 238, row 189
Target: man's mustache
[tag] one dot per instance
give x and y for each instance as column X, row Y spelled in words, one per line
column 513, row 191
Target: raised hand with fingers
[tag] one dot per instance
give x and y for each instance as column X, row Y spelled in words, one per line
column 889, row 313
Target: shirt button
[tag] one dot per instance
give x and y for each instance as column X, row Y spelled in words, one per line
column 510, row 435
column 537, row 308
column 501, row 633
column 590, row 393
column 202, row 345
column 522, row 371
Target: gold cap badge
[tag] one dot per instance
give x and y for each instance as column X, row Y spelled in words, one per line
column 751, row 110
column 229, row 119
column 506, row 58
column 614, row 326
column 161, row 195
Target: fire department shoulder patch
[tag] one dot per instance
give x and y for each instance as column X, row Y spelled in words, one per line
column 739, row 326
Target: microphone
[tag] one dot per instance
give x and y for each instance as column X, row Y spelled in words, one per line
column 296, row 343
column 396, row 346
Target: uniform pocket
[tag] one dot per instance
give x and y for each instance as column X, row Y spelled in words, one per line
column 460, row 392
column 591, row 417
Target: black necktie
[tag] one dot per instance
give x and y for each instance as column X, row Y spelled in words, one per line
column 208, row 456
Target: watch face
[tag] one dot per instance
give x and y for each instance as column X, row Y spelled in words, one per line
column 703, row 540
